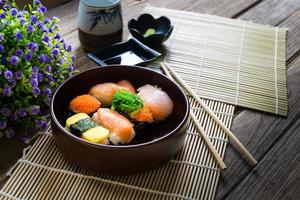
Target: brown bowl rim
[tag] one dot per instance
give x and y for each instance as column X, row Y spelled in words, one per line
column 132, row 146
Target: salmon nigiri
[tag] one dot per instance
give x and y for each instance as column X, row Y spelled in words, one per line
column 127, row 85
column 104, row 92
column 157, row 101
column 120, row 128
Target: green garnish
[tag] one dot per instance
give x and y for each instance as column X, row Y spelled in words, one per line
column 149, row 32
column 82, row 125
column 126, row 102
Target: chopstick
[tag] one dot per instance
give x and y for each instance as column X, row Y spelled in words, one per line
column 201, row 130
column 239, row 146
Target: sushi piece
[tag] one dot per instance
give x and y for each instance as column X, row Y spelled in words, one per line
column 83, row 126
column 157, row 101
column 120, row 128
column 142, row 115
column 127, row 85
column 104, row 92
column 97, row 135
column 84, row 104
column 73, row 119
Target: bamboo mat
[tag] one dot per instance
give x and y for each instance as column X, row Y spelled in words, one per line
column 233, row 61
column 43, row 172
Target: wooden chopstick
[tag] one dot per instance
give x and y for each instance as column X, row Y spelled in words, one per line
column 201, row 130
column 238, row 145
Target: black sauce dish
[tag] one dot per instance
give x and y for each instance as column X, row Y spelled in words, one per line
column 168, row 136
column 161, row 27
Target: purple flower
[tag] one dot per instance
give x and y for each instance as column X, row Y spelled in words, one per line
column 34, row 110
column 46, row 39
column 22, row 112
column 14, row 60
column 40, row 77
column 55, row 52
column 9, row 133
column 69, row 48
column 73, row 58
column 28, row 56
column 12, row 83
column 47, row 20
column 19, row 35
column 7, row 91
column 34, row 83
column 34, row 71
column 71, row 67
column 2, row 125
column 13, row 11
column 57, row 45
column 42, row 58
column 1, row 37
column 25, row 137
column 1, row 48
column 30, row 28
column 4, row 60
column 57, row 36
column 50, row 77
column 36, row 91
column 19, row 52
column 32, row 46
column 42, row 124
column 47, row 91
column 7, row 6
column 48, row 68
column 37, row 2
column 2, row 15
column 5, row 112
column 22, row 21
column 2, row 1
column 33, row 19
column 40, row 25
column 8, row 74
column 45, row 30
column 42, row 9
column 18, row 75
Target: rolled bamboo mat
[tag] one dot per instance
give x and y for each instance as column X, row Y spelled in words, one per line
column 233, row 61
column 44, row 173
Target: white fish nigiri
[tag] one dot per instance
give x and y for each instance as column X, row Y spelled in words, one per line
column 157, row 101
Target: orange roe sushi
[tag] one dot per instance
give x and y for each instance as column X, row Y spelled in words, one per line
column 143, row 115
column 84, row 104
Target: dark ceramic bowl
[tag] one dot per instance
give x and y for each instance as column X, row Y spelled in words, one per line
column 161, row 25
column 168, row 136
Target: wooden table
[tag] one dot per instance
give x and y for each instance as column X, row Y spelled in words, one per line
column 274, row 141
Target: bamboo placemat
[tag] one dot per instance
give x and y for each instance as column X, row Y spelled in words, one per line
column 43, row 172
column 232, row 61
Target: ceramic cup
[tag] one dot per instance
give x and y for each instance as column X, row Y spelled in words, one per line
column 99, row 23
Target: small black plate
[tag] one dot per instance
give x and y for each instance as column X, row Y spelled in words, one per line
column 131, row 52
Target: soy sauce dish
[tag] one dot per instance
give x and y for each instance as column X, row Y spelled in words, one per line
column 151, row 143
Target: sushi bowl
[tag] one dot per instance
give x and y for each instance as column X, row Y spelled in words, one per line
column 167, row 137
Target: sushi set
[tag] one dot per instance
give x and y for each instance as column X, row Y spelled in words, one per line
column 118, row 113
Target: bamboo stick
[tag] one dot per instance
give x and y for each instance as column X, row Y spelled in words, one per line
column 239, row 146
column 202, row 131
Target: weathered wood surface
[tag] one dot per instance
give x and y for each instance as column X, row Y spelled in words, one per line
column 274, row 141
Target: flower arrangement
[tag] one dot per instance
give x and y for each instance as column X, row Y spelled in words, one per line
column 34, row 60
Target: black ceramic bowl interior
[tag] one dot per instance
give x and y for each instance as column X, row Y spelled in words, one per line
column 161, row 25
column 168, row 136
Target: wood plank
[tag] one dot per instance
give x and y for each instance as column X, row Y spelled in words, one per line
column 278, row 12
column 260, row 132
column 277, row 175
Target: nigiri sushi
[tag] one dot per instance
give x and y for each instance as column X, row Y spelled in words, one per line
column 104, row 92
column 127, row 85
column 157, row 101
column 120, row 128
